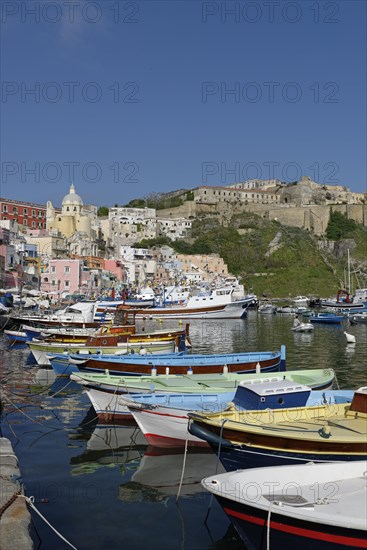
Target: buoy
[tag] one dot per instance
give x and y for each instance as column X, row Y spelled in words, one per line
column 351, row 339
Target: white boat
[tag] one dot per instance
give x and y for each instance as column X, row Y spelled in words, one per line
column 163, row 418
column 267, row 308
column 298, row 326
column 301, row 301
column 217, row 304
column 80, row 314
column 306, row 506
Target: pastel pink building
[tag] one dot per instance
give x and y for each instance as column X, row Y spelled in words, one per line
column 64, row 276
column 115, row 267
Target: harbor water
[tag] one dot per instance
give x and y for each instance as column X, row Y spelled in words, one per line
column 102, row 486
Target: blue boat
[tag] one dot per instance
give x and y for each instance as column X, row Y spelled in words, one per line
column 16, row 336
column 247, row 362
column 326, row 317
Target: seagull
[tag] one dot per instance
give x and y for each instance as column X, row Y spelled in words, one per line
column 351, row 339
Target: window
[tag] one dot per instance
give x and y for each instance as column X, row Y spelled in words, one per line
column 25, row 212
column 33, row 212
column 67, row 269
column 15, row 210
column 25, row 222
column 40, row 214
column 53, row 269
column 5, row 208
column 67, row 284
column 53, row 282
column 40, row 225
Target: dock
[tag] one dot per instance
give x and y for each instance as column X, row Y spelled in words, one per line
column 15, row 519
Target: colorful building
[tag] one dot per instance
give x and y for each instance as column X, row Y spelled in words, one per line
column 28, row 214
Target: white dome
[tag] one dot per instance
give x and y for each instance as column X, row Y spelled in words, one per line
column 72, row 197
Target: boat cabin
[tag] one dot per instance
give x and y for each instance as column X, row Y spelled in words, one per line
column 271, row 395
column 359, row 401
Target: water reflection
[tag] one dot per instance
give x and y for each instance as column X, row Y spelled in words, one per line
column 160, row 471
column 60, row 444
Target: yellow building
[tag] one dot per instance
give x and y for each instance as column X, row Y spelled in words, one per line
column 73, row 219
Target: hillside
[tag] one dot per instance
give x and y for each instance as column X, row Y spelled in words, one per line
column 277, row 260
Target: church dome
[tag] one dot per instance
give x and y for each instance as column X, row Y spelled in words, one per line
column 72, row 198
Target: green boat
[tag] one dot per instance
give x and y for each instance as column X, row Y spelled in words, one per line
column 316, row 379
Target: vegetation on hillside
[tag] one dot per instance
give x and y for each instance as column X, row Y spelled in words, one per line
column 340, row 227
column 158, row 201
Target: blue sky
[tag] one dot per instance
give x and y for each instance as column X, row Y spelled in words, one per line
column 132, row 98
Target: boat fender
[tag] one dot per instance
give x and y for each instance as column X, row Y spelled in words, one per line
column 325, row 432
column 189, row 371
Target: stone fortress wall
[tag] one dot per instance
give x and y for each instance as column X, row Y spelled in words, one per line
column 305, row 204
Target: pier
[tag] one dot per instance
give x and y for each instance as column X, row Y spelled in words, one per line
column 15, row 518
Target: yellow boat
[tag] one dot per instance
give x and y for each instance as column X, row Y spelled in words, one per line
column 246, row 439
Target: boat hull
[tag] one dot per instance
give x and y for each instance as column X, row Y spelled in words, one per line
column 285, row 532
column 228, row 311
column 256, row 452
column 41, row 350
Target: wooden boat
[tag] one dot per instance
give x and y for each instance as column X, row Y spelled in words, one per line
column 326, row 317
column 318, row 506
column 16, row 336
column 163, row 418
column 264, row 361
column 158, row 345
column 316, row 379
column 249, row 439
column 171, row 425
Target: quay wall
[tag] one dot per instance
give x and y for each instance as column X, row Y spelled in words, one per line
column 15, row 519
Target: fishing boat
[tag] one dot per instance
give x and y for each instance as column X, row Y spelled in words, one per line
column 249, row 439
column 43, row 351
column 301, row 301
column 289, row 310
column 358, row 318
column 326, row 317
column 77, row 315
column 163, row 419
column 318, row 506
column 298, row 326
column 267, row 308
column 217, row 304
column 316, row 379
column 16, row 336
column 346, row 300
column 246, row 362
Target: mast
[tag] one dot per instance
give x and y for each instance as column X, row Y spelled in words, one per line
column 349, row 287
